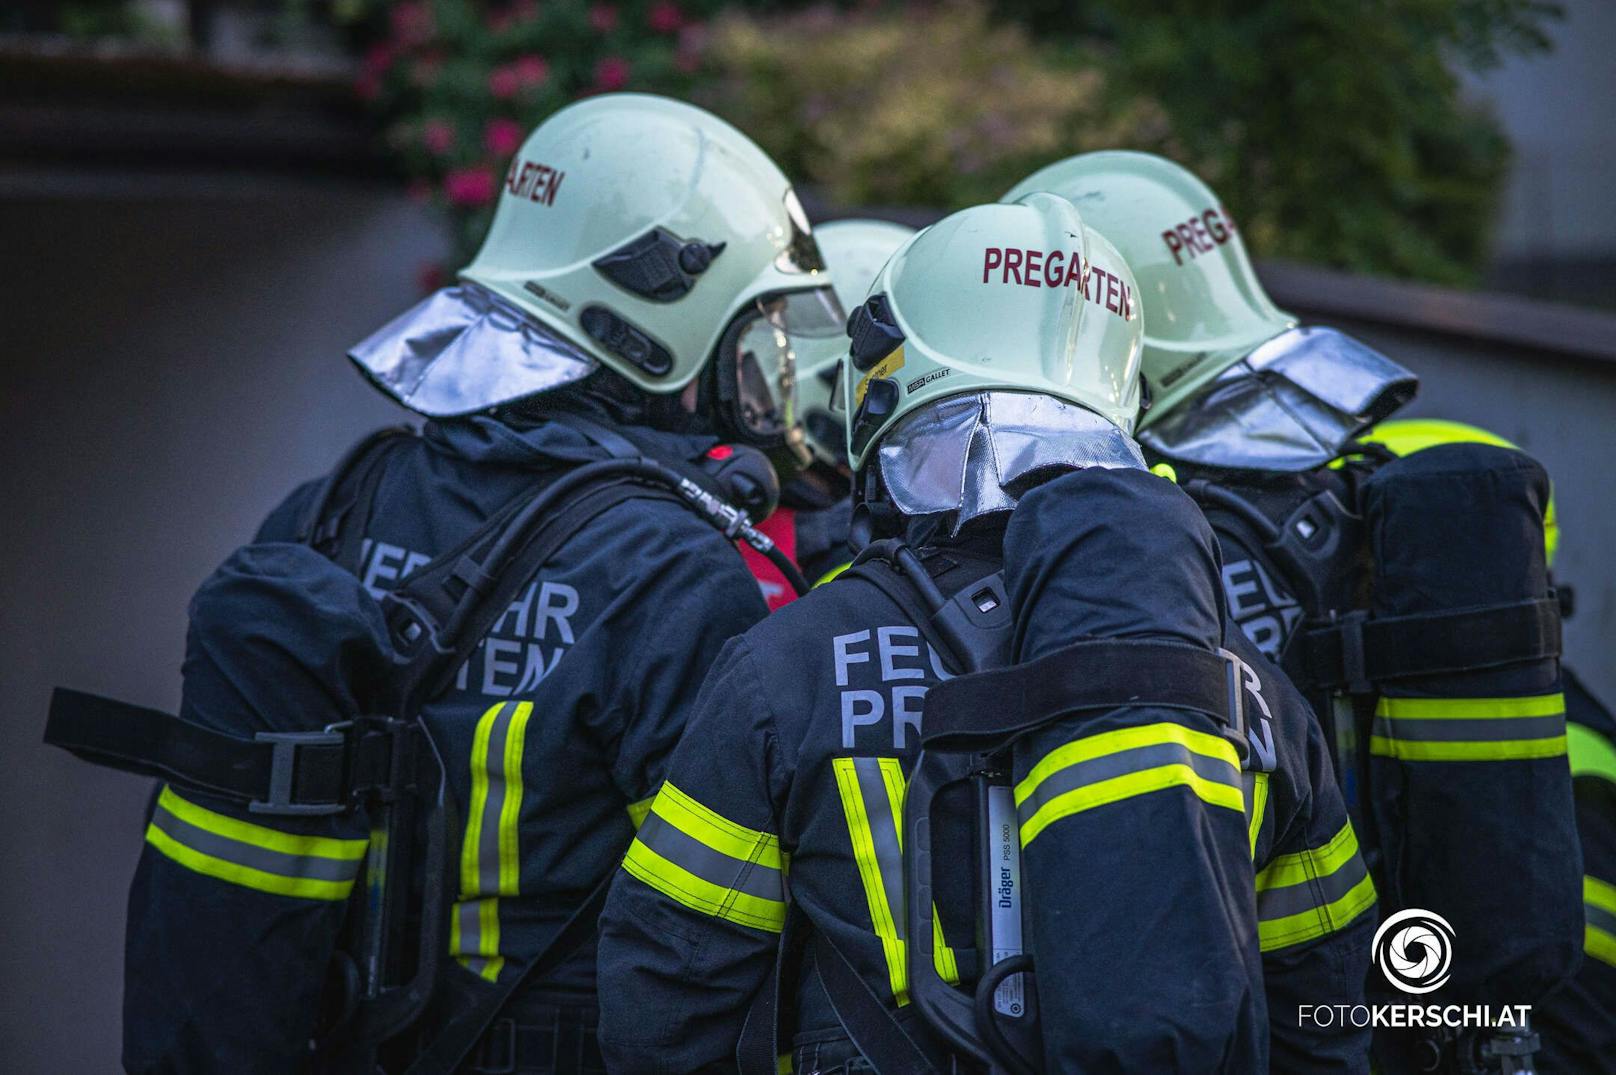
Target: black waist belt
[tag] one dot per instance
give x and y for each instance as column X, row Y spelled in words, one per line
column 1357, row 652
column 324, row 772
column 979, row 711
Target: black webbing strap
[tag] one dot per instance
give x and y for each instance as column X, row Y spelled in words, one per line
column 759, row 1048
column 872, row 1027
column 1357, row 652
column 289, row 773
column 983, row 710
column 461, row 1033
column 339, row 515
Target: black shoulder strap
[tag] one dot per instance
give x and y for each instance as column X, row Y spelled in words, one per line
column 987, row 710
column 285, row 773
column 338, row 516
column 1357, row 653
column 971, row 623
column 868, row 1023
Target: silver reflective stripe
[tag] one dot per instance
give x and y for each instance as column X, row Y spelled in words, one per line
column 281, row 863
column 713, row 866
column 884, row 835
column 1310, row 894
column 1464, row 730
column 1599, row 918
column 1121, row 763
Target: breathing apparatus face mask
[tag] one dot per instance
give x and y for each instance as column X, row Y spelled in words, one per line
column 754, row 373
column 971, row 455
column 1291, row 405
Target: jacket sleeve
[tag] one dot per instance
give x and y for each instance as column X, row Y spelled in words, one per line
column 690, row 929
column 1468, row 770
column 1315, row 899
column 1140, row 904
column 234, row 916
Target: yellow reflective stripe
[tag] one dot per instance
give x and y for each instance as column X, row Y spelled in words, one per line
column 1113, row 742
column 869, row 868
column 1591, row 753
column 1259, row 804
column 1311, row 875
column 879, row 874
column 832, row 573
column 715, row 830
column 1538, row 705
column 490, row 853
column 1601, row 894
column 287, row 843
column 782, row 1064
column 1457, row 729
column 1133, row 783
column 1316, row 862
column 699, row 894
column 1294, row 929
column 638, row 811
column 1496, row 750
column 246, row 876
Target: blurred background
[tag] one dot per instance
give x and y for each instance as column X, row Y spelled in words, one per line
column 204, row 202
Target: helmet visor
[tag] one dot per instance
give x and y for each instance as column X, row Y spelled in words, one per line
column 1292, row 404
column 765, row 351
column 970, row 455
column 462, row 350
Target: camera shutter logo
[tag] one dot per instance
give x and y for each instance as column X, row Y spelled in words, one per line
column 1414, row 950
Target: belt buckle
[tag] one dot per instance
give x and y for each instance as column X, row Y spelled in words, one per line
column 283, row 771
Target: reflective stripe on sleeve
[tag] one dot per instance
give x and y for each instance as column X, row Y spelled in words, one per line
column 253, row 856
column 699, row 858
column 872, row 792
column 1599, row 908
column 1121, row 764
column 490, row 862
column 1257, row 806
column 1313, row 893
column 637, row 811
column 1469, row 729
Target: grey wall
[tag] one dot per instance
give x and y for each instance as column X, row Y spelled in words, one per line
column 171, row 368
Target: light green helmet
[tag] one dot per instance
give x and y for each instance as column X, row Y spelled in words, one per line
column 996, row 301
column 653, row 237
column 1205, row 308
column 854, row 251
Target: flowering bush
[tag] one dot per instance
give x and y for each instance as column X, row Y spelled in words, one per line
column 932, row 105
column 459, row 83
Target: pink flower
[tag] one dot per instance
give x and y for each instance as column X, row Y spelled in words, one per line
column 531, row 70
column 438, row 136
column 603, row 18
column 412, row 22
column 665, row 17
column 378, row 58
column 470, row 187
column 611, row 73
column 504, row 82
column 502, row 137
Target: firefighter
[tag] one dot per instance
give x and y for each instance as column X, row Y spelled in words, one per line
column 855, row 251
column 1407, row 597
column 988, row 424
column 1578, row 1020
column 606, row 316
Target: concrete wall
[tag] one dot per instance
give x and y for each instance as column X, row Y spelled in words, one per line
column 174, row 365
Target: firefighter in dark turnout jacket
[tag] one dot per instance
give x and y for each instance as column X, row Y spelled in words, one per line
column 604, row 317
column 1407, row 597
column 1137, row 823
